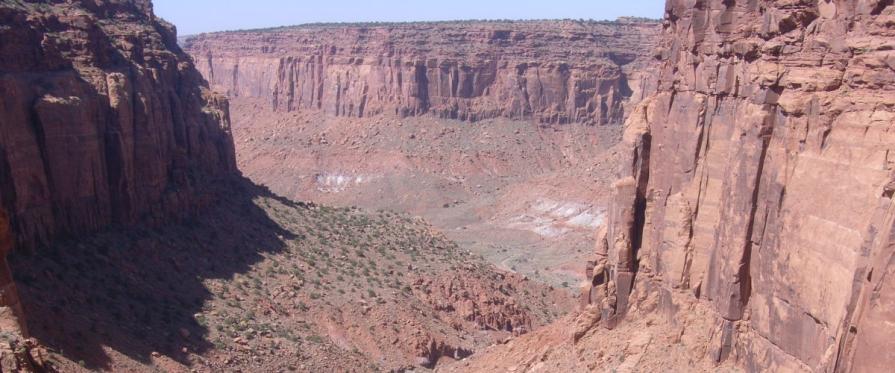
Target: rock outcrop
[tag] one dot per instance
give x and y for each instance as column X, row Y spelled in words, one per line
column 550, row 71
column 760, row 180
column 480, row 303
column 104, row 121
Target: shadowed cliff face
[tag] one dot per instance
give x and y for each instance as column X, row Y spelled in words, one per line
column 552, row 71
column 103, row 121
column 760, row 181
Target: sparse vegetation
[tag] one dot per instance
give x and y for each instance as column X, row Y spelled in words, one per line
column 292, row 266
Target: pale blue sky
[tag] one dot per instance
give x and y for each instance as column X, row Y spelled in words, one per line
column 195, row 16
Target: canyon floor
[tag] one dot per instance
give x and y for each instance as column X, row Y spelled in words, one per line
column 527, row 197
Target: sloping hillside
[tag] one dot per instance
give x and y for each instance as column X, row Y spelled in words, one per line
column 260, row 282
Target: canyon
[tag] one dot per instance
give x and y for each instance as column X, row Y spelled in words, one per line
column 708, row 192
column 484, row 128
column 131, row 242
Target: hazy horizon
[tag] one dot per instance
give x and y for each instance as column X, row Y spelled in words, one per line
column 201, row 16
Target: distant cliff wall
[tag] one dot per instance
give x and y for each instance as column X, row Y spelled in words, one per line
column 549, row 71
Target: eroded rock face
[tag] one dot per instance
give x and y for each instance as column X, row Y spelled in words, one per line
column 553, row 72
column 760, row 180
column 103, row 120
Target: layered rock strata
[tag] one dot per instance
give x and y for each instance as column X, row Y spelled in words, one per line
column 104, row 121
column 760, row 180
column 549, row 71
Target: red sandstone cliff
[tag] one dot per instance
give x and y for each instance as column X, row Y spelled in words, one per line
column 103, row 120
column 551, row 71
column 760, row 183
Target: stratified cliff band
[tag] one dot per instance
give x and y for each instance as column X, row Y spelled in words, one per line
column 550, row 71
column 759, row 182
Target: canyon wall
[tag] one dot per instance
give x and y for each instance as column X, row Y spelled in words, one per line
column 759, row 182
column 104, row 121
column 549, row 71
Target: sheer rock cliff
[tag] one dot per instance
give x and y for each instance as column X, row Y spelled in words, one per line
column 759, row 181
column 549, row 71
column 104, row 121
